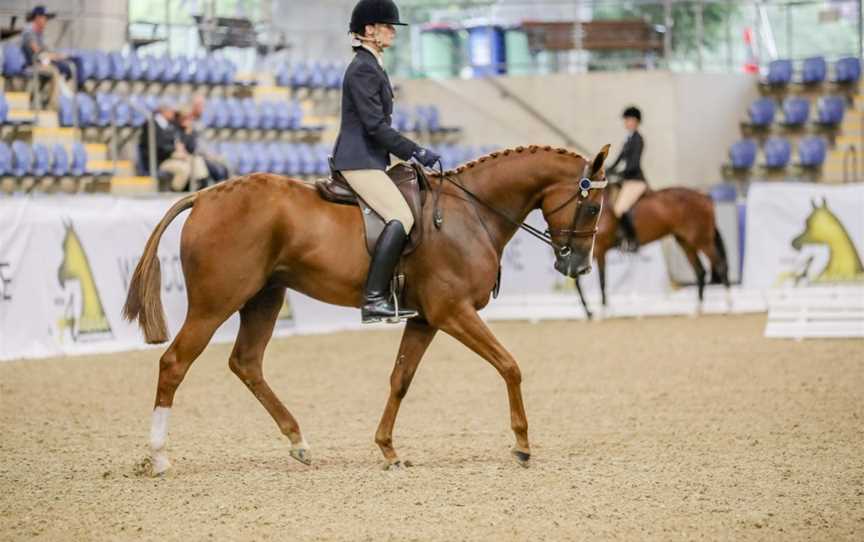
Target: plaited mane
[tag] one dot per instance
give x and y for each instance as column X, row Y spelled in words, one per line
column 507, row 152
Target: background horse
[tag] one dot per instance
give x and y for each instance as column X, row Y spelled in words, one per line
column 249, row 239
column 686, row 214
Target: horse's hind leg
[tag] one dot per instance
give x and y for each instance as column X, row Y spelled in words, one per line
column 469, row 329
column 257, row 319
column 415, row 341
column 693, row 257
column 173, row 365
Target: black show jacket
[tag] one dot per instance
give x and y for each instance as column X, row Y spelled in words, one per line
column 366, row 138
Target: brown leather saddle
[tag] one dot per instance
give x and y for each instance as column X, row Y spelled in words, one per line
column 411, row 181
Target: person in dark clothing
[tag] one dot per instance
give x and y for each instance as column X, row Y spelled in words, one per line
column 632, row 180
column 35, row 51
column 189, row 133
column 364, row 145
column 167, row 137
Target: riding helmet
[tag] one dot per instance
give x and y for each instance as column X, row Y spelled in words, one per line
column 374, row 12
column 632, row 113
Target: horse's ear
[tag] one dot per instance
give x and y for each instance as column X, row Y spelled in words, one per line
column 824, row 202
column 599, row 159
column 813, row 204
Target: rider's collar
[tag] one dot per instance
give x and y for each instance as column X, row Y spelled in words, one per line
column 375, row 53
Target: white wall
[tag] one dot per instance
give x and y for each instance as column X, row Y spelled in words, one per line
column 689, row 119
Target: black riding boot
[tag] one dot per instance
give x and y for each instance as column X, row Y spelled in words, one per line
column 629, row 240
column 377, row 301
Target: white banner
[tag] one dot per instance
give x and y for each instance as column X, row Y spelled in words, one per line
column 800, row 234
column 66, row 263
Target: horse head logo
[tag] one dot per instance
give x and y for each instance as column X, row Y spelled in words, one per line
column 823, row 227
column 90, row 319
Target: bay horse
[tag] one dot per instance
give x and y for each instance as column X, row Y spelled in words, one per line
column 249, row 239
column 684, row 213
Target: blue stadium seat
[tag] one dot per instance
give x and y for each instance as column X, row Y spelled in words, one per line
column 119, row 66
column 104, row 107
column 59, row 161
column 236, row 114
column 245, row 160
column 250, row 113
column 14, row 63
column 154, row 68
column 41, row 160
column 136, row 116
column 779, row 72
column 266, row 115
column 5, row 159
column 65, row 111
column 135, row 68
column 742, row 154
column 777, row 153
column 299, row 76
column 762, row 112
column 22, row 159
column 221, row 113
column 78, row 166
column 830, row 110
column 847, row 70
column 813, row 71
column 276, row 158
column 322, row 162
column 262, row 157
column 333, row 76
column 4, row 108
column 812, row 151
column 796, row 110
column 101, row 66
column 182, row 68
column 317, row 77
column 723, row 192
column 122, row 111
column 86, row 110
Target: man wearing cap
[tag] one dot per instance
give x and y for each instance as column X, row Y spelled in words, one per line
column 35, row 51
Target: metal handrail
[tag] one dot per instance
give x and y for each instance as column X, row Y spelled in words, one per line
column 850, row 175
column 151, row 138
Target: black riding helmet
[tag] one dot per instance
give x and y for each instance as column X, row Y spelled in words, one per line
column 632, row 113
column 374, row 12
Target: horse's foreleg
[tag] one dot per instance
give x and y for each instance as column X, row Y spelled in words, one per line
column 601, row 271
column 257, row 319
column 415, row 341
column 582, row 297
column 693, row 257
column 173, row 365
column 469, row 329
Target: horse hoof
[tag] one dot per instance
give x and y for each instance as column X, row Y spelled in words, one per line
column 302, row 455
column 523, row 458
column 152, row 467
column 397, row 465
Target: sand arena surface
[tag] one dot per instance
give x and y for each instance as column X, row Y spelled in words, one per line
column 662, row 429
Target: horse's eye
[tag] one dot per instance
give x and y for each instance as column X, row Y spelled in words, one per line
column 593, row 209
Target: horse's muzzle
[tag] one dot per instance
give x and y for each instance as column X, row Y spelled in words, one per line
column 572, row 265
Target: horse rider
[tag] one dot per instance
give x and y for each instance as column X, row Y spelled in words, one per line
column 364, row 145
column 632, row 180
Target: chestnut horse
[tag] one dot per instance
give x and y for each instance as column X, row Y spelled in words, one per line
column 248, row 239
column 684, row 213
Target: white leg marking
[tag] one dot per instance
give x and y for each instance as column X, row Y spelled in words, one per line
column 158, row 438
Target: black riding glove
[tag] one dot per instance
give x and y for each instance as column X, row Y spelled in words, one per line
column 427, row 157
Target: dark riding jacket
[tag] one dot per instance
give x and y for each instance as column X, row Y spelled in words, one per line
column 631, row 153
column 366, row 138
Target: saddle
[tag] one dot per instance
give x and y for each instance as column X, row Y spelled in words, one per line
column 411, row 181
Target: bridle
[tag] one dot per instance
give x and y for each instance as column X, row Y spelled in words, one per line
column 546, row 236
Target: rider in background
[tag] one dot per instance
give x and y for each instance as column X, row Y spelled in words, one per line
column 365, row 142
column 632, row 179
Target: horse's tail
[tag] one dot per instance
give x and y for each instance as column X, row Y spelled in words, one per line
column 719, row 267
column 144, row 300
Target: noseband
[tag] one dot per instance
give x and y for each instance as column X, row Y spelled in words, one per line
column 546, row 236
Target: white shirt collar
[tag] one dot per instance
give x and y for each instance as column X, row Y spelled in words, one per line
column 375, row 54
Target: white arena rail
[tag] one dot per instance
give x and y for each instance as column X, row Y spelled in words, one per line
column 816, row 312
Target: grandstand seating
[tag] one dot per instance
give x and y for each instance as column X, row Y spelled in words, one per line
column 762, row 112
column 812, row 152
column 778, row 152
column 38, row 160
column 847, row 70
column 813, row 70
column 795, row 111
column 829, row 110
column 742, row 154
column 310, row 76
column 779, row 72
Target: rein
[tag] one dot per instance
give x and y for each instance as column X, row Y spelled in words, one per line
column 585, row 184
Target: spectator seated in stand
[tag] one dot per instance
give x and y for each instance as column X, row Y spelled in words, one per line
column 176, row 168
column 36, row 52
column 189, row 124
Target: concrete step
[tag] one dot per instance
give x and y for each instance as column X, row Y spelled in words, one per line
column 51, row 135
column 18, row 100
column 844, row 140
column 130, row 184
column 124, row 167
column 271, row 93
column 97, row 151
